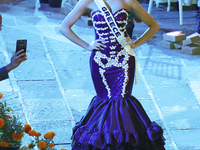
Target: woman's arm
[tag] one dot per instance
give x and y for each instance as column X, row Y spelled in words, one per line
column 146, row 18
column 71, row 19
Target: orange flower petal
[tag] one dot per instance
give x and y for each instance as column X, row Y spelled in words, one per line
column 48, row 135
column 1, row 122
column 41, row 145
column 6, row 144
column 17, row 136
column 30, row 145
column 8, row 116
column 1, row 143
column 1, row 95
column 51, row 145
column 32, row 133
column 53, row 134
column 27, row 128
column 38, row 134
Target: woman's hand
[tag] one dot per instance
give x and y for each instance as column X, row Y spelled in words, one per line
column 128, row 41
column 96, row 45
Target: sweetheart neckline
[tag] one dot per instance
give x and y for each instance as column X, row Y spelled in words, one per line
column 112, row 13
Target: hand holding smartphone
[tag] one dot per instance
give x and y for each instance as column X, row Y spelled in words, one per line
column 21, row 44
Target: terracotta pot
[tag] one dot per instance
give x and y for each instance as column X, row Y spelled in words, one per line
column 55, row 3
column 129, row 29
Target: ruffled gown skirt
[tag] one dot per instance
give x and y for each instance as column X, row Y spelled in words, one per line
column 115, row 120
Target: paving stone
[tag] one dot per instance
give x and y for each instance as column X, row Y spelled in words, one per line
column 181, row 117
column 42, row 89
column 82, row 96
column 139, row 90
column 191, row 73
column 81, row 61
column 190, row 62
column 167, row 77
column 150, row 109
column 62, row 129
column 165, row 96
column 76, row 79
column 159, row 63
column 187, row 136
column 5, row 86
column 42, row 70
column 63, row 146
column 46, row 109
column 60, row 44
column 195, row 86
column 11, row 34
column 12, row 100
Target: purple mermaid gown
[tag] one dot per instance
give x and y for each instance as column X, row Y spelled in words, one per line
column 115, row 120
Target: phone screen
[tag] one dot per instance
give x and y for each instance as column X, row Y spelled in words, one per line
column 21, row 44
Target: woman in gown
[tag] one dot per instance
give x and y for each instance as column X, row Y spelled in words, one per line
column 114, row 120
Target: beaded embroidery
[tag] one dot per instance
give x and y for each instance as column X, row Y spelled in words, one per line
column 116, row 59
column 113, row 60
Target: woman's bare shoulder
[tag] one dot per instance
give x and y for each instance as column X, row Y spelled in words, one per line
column 130, row 3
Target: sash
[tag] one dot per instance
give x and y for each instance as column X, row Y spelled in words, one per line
column 115, row 30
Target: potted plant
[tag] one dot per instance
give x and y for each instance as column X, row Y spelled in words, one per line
column 130, row 22
column 55, row 3
column 11, row 129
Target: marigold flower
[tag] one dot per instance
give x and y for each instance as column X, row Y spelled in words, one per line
column 17, row 136
column 63, row 149
column 53, row 134
column 1, row 122
column 32, row 133
column 30, row 145
column 8, row 116
column 51, row 145
column 4, row 144
column 48, row 135
column 41, row 145
column 27, row 128
column 1, row 143
column 1, row 95
column 38, row 134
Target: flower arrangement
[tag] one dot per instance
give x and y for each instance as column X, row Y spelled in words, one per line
column 45, row 143
column 11, row 130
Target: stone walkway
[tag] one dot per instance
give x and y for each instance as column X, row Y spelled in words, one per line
column 52, row 89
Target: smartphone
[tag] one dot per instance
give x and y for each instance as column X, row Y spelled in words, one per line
column 21, row 44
